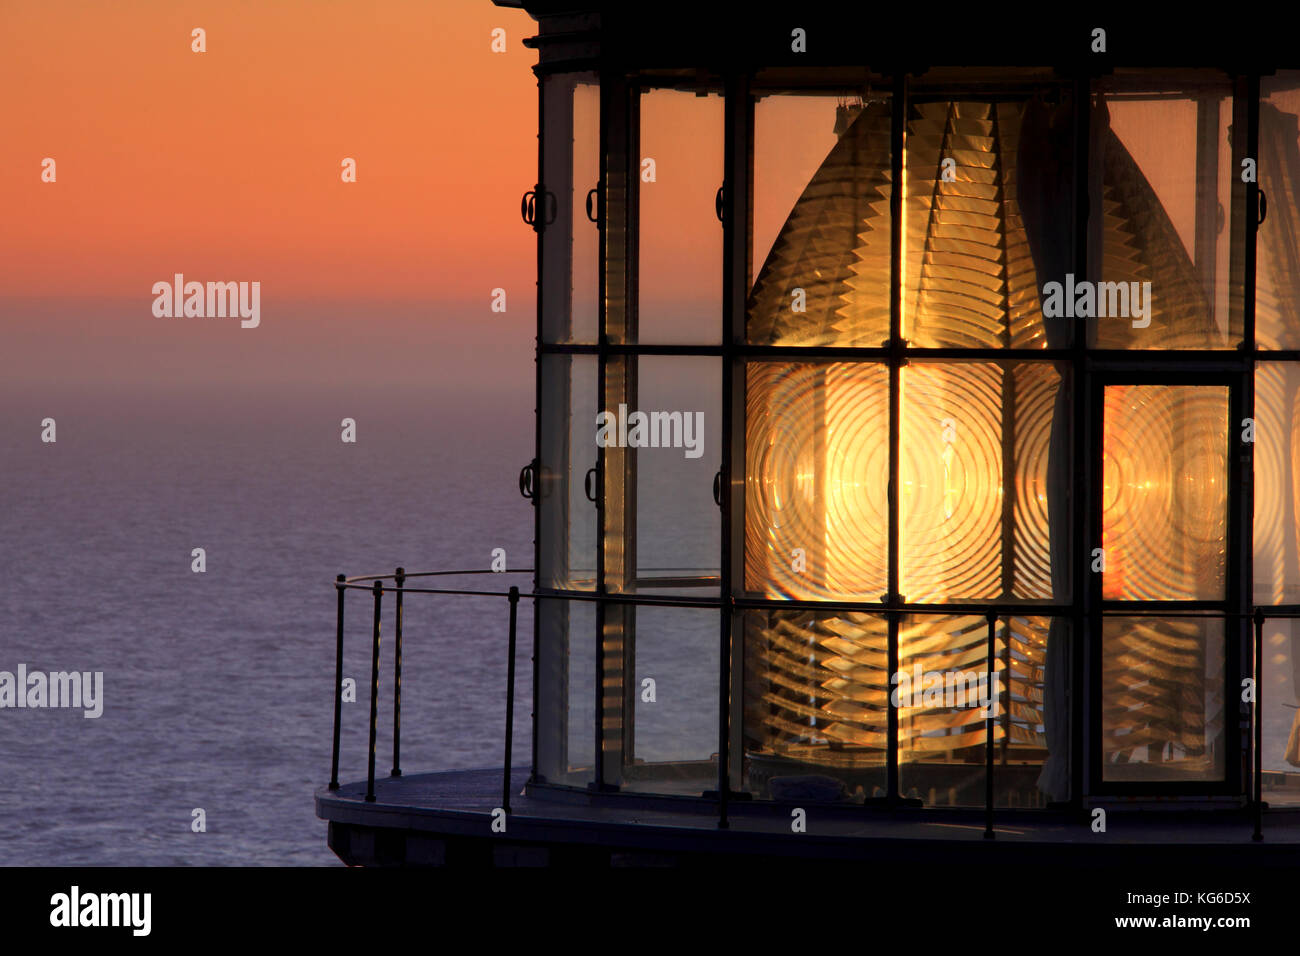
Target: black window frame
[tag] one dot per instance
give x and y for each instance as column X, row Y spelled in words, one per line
column 1090, row 369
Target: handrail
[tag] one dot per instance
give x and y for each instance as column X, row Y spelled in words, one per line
column 427, row 574
column 375, row 584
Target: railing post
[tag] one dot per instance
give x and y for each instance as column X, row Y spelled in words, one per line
column 338, row 681
column 988, row 726
column 510, row 700
column 400, row 578
column 1259, row 725
column 374, row 691
column 598, row 708
column 724, row 711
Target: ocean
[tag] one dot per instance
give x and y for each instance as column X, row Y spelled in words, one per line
column 218, row 686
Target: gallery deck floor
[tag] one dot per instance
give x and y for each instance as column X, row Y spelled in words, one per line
column 448, row 818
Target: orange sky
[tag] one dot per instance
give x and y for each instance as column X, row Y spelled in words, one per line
column 225, row 165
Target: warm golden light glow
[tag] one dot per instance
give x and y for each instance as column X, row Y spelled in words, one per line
column 1163, row 705
column 818, row 468
column 1277, row 484
column 1164, row 494
column 984, row 467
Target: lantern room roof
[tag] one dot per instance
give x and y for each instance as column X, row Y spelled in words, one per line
column 671, row 33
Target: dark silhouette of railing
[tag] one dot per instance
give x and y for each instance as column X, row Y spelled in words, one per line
column 992, row 612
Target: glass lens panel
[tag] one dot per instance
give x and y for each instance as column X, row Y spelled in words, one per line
column 969, row 277
column 680, row 244
column 1277, row 483
column 984, row 469
column 1163, row 709
column 816, row 705
column 567, row 556
column 1033, row 759
column 1161, row 217
column 1277, row 266
column 817, row 693
column 944, row 692
column 1165, row 492
column 821, row 222
column 817, row 450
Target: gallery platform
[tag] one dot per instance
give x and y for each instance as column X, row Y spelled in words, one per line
column 446, row 819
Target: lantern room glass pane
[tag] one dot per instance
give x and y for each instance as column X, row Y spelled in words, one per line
column 816, row 705
column 945, row 694
column 984, row 503
column 985, row 185
column 984, row 472
column 567, row 418
column 566, row 684
column 671, row 740
column 969, row 275
column 663, row 437
column 818, row 690
column 586, row 235
column 1165, row 492
column 679, row 245
column 1281, row 719
column 1162, row 224
column 1277, row 483
column 1037, row 656
column 570, row 239
column 1277, row 265
column 793, row 135
column 817, row 473
column 821, row 221
column 1276, row 572
column 1162, row 699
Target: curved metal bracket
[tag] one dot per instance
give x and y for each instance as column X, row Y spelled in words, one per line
column 528, row 480
column 528, row 206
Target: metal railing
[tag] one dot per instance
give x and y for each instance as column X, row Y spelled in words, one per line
column 991, row 612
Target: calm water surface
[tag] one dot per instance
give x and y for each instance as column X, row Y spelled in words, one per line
column 218, row 685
